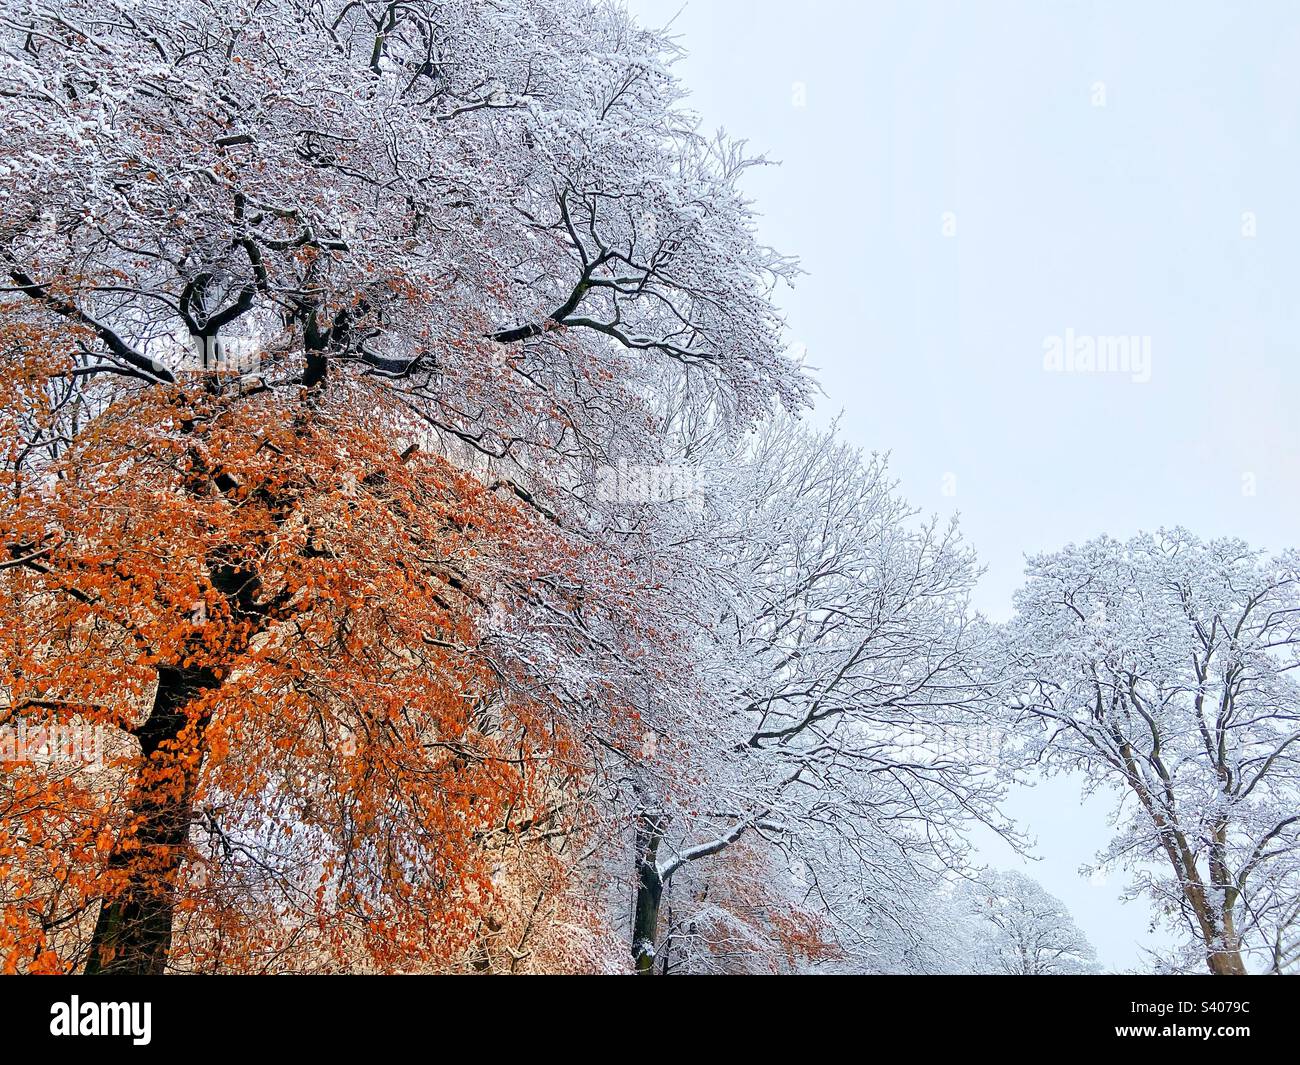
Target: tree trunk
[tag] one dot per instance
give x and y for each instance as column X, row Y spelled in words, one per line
column 1222, row 952
column 134, row 932
column 649, row 893
column 1216, row 928
column 1226, row 963
column 1226, row 960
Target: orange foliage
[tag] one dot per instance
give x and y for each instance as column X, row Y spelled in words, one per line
column 279, row 617
column 741, row 913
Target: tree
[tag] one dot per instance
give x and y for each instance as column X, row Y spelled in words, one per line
column 1021, row 930
column 743, row 914
column 486, row 230
column 838, row 715
column 499, row 209
column 1162, row 667
column 316, row 735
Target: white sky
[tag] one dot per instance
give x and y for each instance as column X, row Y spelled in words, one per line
column 1122, row 219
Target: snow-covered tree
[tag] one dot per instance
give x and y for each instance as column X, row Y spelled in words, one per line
column 1022, row 930
column 839, row 706
column 435, row 250
column 1163, row 668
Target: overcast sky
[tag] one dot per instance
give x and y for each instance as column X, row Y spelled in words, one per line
column 964, row 182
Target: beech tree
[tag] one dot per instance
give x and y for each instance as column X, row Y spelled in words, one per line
column 483, row 205
column 489, row 231
column 320, row 741
column 1163, row 667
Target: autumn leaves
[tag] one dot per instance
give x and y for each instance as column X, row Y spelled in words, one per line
column 284, row 615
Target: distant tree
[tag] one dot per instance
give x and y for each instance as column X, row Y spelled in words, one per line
column 1021, row 930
